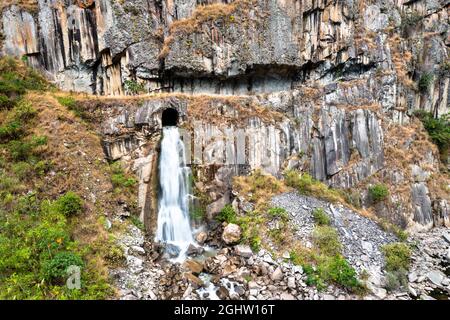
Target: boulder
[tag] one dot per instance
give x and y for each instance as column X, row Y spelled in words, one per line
column 215, row 207
column 201, row 237
column 194, row 280
column 172, row 250
column 436, row 277
column 194, row 251
column 194, row 266
column 291, row 282
column 243, row 251
column 223, row 293
column 286, row 296
column 277, row 275
column 231, row 234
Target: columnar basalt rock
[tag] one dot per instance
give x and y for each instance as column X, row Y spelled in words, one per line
column 320, row 86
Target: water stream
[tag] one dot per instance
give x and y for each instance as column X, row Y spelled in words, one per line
column 174, row 226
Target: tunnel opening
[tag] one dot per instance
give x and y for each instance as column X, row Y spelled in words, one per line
column 170, row 117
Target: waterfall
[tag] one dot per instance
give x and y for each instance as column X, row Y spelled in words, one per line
column 173, row 213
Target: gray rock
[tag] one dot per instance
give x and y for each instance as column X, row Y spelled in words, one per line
column 446, row 236
column 286, row 296
column 243, row 251
column 436, row 277
column 231, row 233
column 277, row 275
column 291, row 282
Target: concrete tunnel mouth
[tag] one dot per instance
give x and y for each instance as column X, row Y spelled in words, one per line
column 170, row 117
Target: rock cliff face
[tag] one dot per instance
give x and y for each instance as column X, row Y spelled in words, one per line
column 328, row 87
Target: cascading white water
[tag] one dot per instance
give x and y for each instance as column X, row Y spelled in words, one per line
column 173, row 214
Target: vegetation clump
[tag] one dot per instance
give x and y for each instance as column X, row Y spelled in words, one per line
column 378, row 192
column 227, row 214
column 69, row 204
column 398, row 259
column 438, row 129
column 425, row 82
column 120, row 179
column 37, row 233
column 305, row 184
column 320, row 217
column 56, row 269
column 133, row 87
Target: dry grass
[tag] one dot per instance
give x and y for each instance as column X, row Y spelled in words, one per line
column 203, row 14
column 78, row 165
column 28, row 5
column 229, row 110
column 258, row 187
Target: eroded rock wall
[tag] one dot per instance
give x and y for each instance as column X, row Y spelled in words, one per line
column 345, row 148
column 237, row 47
column 328, row 87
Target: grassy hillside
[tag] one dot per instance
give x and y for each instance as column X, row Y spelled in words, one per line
column 55, row 195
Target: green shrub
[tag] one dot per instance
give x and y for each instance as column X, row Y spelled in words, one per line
column 326, row 240
column 320, row 217
column 425, row 82
column 137, row 222
column 11, row 130
column 133, row 87
column 22, row 150
column 378, row 192
column 22, row 169
column 278, row 213
column 119, row 178
column 339, row 271
column 409, row 20
column 227, row 214
column 67, row 101
column 438, row 129
column 6, row 102
column 69, row 204
column 255, row 241
column 313, row 277
column 397, row 256
column 55, row 269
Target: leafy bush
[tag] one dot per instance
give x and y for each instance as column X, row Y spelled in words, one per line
column 395, row 280
column 22, row 150
column 425, row 82
column 327, row 241
column 438, row 129
column 119, row 178
column 22, row 169
column 56, row 269
column 227, row 214
column 69, row 204
column 338, row 270
column 278, row 213
column 409, row 20
column 67, row 101
column 134, row 87
column 15, row 79
column 320, row 217
column 397, row 256
column 13, row 127
column 378, row 192
column 255, row 241
column 137, row 222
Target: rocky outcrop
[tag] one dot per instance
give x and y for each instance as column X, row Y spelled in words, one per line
column 238, row 47
column 321, row 86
